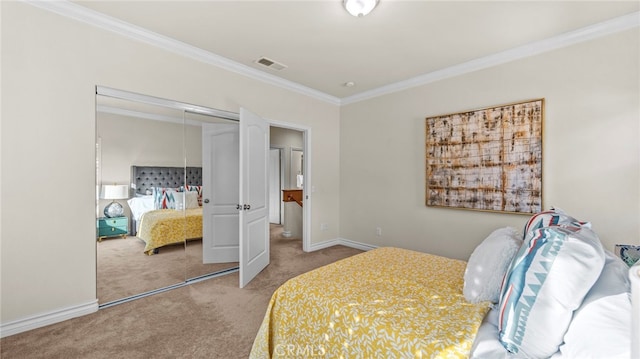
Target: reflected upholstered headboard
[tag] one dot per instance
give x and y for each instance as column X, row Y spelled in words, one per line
column 144, row 178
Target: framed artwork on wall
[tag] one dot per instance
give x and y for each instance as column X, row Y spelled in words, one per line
column 488, row 159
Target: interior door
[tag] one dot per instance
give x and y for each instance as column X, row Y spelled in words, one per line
column 220, row 178
column 254, row 195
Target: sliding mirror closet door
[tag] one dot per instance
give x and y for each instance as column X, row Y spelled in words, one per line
column 212, row 150
column 140, row 159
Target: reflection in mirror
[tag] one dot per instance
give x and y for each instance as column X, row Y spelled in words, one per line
column 297, row 166
column 212, row 144
column 145, row 146
column 130, row 134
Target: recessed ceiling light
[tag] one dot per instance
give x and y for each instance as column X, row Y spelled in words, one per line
column 349, row 84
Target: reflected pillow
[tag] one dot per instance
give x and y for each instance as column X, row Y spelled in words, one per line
column 164, row 198
column 488, row 263
column 186, row 200
column 139, row 205
column 198, row 190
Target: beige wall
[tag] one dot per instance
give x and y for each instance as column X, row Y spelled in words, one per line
column 50, row 67
column 591, row 149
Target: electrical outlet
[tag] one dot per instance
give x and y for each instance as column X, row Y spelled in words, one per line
column 324, row 226
column 378, row 231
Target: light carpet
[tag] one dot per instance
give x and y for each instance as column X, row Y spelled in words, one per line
column 209, row 319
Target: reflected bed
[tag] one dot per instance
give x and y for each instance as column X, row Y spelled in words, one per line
column 162, row 227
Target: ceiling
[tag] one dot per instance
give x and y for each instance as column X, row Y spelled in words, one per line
column 323, row 47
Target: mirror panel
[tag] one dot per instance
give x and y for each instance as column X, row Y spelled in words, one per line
column 154, row 148
column 130, row 133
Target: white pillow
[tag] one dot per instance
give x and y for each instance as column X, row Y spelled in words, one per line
column 186, row 200
column 140, row 205
column 488, row 263
column 191, row 199
column 547, row 280
column 601, row 326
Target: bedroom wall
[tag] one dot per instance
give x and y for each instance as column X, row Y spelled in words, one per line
column 590, row 149
column 128, row 141
column 50, row 67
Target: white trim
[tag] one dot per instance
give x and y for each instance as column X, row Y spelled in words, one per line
column 322, row 245
column 94, row 18
column 342, row 242
column 564, row 40
column 356, row 245
column 162, row 102
column 308, row 178
column 97, row 19
column 44, row 319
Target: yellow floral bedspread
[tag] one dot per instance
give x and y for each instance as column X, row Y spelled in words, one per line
column 385, row 303
column 162, row 227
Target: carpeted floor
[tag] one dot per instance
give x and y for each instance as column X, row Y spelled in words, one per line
column 209, row 319
column 124, row 270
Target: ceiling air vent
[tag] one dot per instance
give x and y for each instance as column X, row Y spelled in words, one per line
column 270, row 63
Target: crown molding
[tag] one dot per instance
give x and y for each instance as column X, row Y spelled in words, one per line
column 94, row 18
column 591, row 32
column 88, row 16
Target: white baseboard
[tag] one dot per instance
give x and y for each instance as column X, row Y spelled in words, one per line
column 356, row 245
column 341, row 241
column 41, row 320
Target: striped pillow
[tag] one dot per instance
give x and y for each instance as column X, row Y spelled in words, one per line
column 164, row 198
column 559, row 261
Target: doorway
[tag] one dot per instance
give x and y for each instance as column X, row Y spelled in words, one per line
column 289, row 148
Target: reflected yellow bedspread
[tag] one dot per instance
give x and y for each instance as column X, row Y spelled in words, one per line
column 385, row 303
column 168, row 226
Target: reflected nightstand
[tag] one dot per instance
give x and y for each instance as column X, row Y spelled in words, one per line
column 112, row 227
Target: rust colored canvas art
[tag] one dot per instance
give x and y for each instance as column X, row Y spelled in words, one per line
column 488, row 159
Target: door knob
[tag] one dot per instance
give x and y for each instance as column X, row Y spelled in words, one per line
column 206, row 200
column 247, row 206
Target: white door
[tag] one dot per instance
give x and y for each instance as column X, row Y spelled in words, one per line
column 254, row 195
column 221, row 191
column 275, row 189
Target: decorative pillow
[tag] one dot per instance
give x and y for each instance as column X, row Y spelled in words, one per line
column 546, row 281
column 197, row 189
column 601, row 326
column 488, row 264
column 179, row 200
column 552, row 217
column 628, row 253
column 191, row 199
column 164, row 198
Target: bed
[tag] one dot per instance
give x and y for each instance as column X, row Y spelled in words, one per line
column 397, row 303
column 162, row 227
column 387, row 302
column 166, row 205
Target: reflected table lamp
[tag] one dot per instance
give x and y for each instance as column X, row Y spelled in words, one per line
column 113, row 192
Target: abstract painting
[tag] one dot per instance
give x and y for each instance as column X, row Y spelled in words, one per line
column 488, row 159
